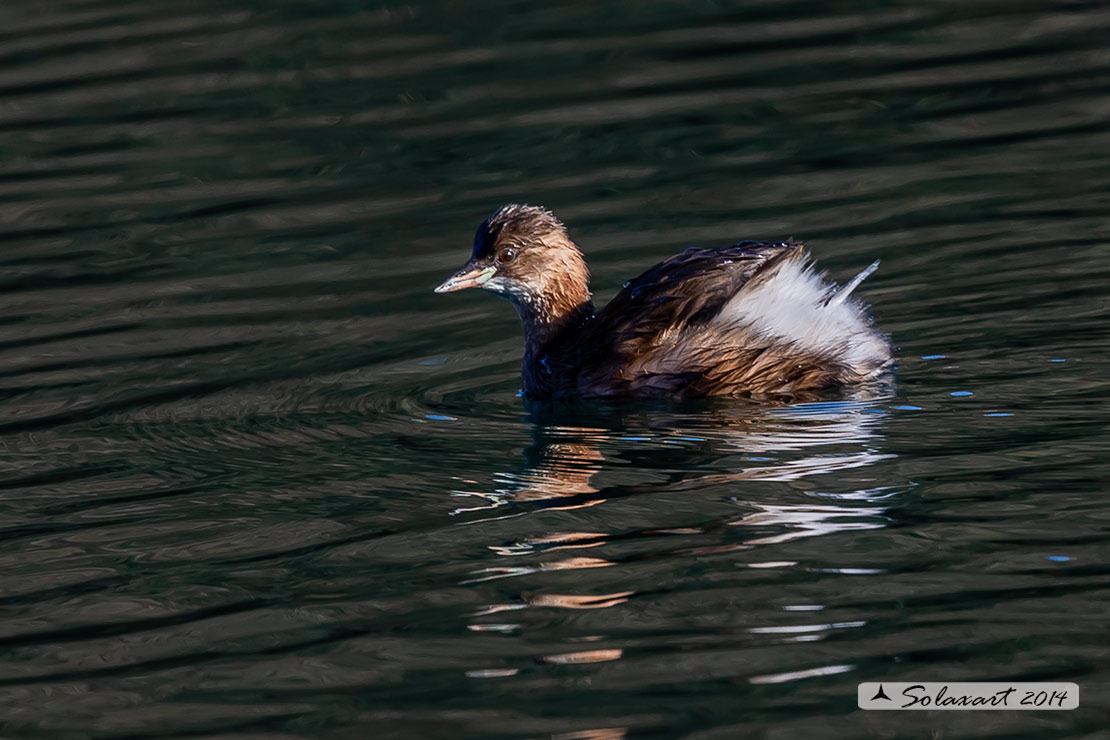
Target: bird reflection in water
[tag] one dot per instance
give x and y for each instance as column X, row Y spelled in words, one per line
column 644, row 451
column 571, row 466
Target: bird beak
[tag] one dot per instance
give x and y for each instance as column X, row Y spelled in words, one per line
column 468, row 276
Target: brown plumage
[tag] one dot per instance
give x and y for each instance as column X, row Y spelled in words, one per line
column 747, row 319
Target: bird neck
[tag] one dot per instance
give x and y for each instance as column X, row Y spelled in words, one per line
column 548, row 318
column 549, row 334
column 557, row 301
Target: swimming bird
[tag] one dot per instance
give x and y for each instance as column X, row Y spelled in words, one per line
column 749, row 319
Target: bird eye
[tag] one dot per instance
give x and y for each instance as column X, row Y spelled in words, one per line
column 506, row 255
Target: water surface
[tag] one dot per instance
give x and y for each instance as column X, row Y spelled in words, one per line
column 258, row 481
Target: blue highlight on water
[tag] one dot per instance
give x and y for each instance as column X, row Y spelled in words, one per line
column 961, row 393
column 934, row 357
column 1057, row 558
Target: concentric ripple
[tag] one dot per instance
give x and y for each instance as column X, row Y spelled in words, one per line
column 257, row 480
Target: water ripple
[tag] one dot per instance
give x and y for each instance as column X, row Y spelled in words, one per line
column 257, row 480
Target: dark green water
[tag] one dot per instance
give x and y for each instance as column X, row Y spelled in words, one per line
column 258, row 481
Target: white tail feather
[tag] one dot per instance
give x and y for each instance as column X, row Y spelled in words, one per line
column 797, row 306
column 846, row 291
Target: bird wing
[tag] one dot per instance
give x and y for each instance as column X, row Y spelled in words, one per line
column 644, row 329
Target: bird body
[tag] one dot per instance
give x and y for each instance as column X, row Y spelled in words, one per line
column 749, row 319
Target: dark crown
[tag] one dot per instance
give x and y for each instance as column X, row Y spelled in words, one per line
column 521, row 222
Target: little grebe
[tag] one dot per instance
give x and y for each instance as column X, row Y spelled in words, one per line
column 749, row 319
